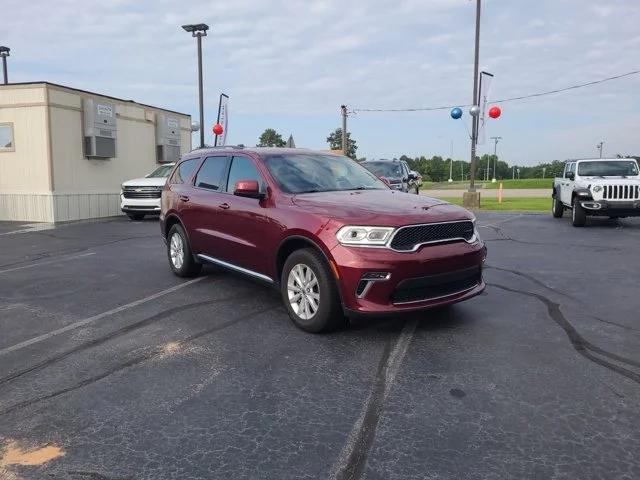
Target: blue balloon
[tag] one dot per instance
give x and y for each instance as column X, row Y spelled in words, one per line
column 456, row 113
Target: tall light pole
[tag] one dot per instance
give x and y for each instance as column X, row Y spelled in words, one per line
column 4, row 53
column 598, row 146
column 451, row 164
column 472, row 198
column 495, row 156
column 343, row 110
column 199, row 30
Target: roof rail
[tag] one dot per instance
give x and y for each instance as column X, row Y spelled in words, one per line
column 240, row 146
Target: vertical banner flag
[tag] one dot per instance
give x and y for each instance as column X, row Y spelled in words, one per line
column 223, row 119
column 485, row 90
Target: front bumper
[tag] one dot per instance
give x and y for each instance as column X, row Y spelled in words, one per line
column 630, row 208
column 149, row 206
column 433, row 276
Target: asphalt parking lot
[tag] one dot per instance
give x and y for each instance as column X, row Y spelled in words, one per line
column 112, row 368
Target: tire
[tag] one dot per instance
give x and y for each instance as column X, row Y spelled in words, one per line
column 579, row 216
column 136, row 217
column 318, row 308
column 179, row 253
column 557, row 209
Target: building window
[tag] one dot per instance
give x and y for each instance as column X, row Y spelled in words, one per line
column 6, row 137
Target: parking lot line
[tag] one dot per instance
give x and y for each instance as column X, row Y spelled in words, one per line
column 86, row 321
column 74, row 257
column 353, row 456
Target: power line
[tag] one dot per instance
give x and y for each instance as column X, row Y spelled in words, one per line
column 504, row 100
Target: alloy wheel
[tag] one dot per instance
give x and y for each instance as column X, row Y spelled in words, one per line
column 303, row 291
column 176, row 250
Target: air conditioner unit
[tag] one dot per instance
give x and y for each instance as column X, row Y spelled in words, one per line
column 99, row 128
column 167, row 138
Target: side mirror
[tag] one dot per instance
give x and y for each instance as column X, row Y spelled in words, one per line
column 412, row 175
column 571, row 175
column 248, row 188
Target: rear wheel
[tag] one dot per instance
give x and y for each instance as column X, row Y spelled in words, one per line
column 557, row 209
column 579, row 216
column 310, row 293
column 136, row 217
column 179, row 252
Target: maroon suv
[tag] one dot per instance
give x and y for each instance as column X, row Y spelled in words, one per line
column 324, row 230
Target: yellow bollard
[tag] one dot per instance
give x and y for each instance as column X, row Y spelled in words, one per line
column 500, row 193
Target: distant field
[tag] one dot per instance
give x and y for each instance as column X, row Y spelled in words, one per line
column 523, row 204
column 506, row 184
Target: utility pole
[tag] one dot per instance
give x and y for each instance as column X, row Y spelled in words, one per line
column 514, row 173
column 199, row 30
column 495, row 156
column 599, row 147
column 472, row 198
column 345, row 149
column 451, row 164
column 4, row 53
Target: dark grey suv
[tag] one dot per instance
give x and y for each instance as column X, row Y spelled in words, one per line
column 396, row 173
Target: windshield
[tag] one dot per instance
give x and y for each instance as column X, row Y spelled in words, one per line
column 161, row 172
column 307, row 173
column 384, row 169
column 618, row 168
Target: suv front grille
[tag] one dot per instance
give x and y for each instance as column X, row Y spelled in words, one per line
column 621, row 192
column 409, row 238
column 142, row 192
column 437, row 286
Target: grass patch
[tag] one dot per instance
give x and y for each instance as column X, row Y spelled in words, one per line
column 506, row 184
column 523, row 204
column 518, row 184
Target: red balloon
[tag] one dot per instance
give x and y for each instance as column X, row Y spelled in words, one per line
column 217, row 129
column 494, row 112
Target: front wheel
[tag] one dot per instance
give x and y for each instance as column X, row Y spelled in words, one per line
column 579, row 217
column 557, row 208
column 310, row 293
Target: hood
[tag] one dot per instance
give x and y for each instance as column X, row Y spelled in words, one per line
column 380, row 207
column 146, row 182
column 611, row 180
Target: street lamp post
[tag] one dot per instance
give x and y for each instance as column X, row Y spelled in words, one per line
column 495, row 156
column 598, row 146
column 472, row 198
column 199, row 30
column 4, row 53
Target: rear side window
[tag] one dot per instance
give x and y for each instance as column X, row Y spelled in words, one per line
column 212, row 174
column 184, row 171
column 242, row 168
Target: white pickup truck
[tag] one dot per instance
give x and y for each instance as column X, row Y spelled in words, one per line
column 607, row 187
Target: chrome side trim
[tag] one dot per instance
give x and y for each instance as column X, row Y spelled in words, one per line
column 236, row 268
column 438, row 298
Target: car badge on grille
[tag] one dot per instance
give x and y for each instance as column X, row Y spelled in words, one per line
column 138, row 190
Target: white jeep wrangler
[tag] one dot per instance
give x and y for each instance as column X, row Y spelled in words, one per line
column 607, row 187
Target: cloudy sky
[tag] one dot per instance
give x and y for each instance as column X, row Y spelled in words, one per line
column 290, row 64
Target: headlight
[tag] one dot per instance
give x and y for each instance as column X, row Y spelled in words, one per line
column 375, row 236
column 597, row 188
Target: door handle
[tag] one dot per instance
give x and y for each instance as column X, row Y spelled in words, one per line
column 184, row 198
column 224, row 206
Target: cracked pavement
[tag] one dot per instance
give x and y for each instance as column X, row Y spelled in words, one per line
column 537, row 378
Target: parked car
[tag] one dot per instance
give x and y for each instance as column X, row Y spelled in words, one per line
column 396, row 173
column 141, row 196
column 330, row 235
column 607, row 187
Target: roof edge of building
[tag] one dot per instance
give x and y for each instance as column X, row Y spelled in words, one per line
column 88, row 92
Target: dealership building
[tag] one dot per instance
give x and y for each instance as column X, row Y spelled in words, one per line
column 64, row 152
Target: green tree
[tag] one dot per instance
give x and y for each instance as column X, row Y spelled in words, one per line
column 271, row 138
column 335, row 142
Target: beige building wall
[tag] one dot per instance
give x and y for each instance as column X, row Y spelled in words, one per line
column 47, row 177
